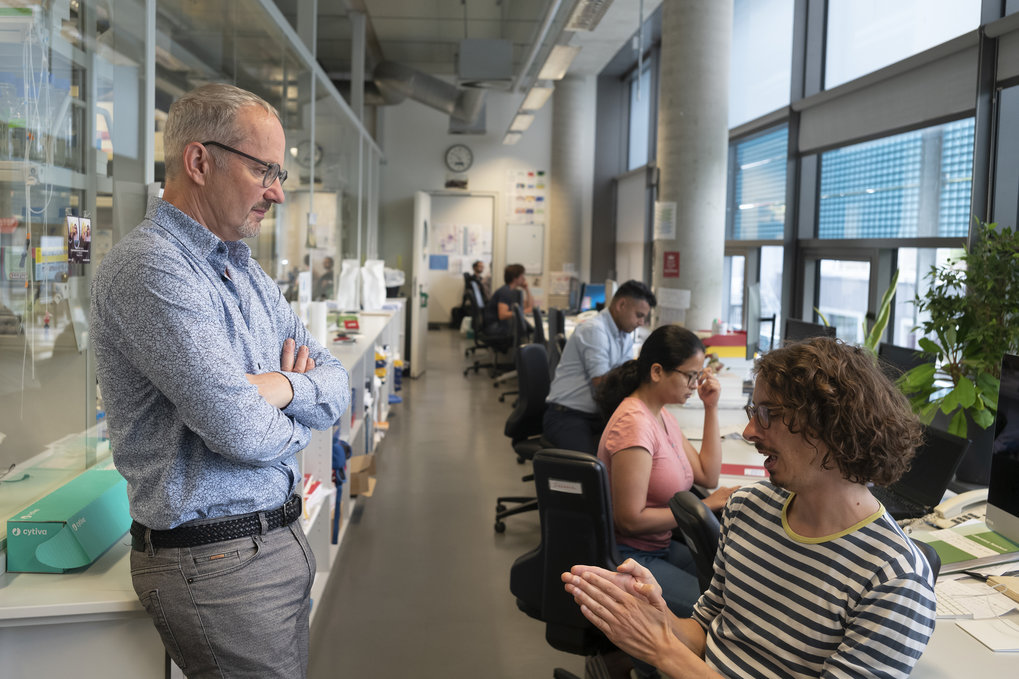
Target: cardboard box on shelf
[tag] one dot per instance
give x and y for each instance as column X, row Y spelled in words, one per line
column 71, row 527
column 361, row 474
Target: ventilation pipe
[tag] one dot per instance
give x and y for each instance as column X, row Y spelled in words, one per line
column 397, row 82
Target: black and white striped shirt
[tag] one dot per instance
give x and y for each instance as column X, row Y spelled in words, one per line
column 856, row 604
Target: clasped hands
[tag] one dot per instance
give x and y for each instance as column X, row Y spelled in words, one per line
column 626, row 605
column 274, row 387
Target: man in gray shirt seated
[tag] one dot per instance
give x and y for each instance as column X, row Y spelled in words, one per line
column 572, row 419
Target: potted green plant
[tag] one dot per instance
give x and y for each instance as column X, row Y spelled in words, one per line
column 972, row 309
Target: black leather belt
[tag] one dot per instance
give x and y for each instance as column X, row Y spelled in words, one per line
column 227, row 528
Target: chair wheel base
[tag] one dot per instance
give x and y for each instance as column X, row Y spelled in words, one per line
column 500, row 507
column 500, row 527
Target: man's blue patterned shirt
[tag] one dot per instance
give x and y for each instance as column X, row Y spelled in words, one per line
column 179, row 317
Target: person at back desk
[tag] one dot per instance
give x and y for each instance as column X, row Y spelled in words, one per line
column 499, row 310
column 572, row 418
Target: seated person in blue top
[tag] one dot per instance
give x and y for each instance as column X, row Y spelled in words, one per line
column 499, row 310
column 212, row 385
column 813, row 578
column 649, row 459
column 573, row 420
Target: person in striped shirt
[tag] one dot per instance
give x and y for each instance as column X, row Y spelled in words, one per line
column 813, row 578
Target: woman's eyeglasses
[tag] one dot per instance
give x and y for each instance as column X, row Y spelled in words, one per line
column 692, row 376
column 272, row 170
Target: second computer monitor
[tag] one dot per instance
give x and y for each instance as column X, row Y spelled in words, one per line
column 797, row 330
column 1003, row 493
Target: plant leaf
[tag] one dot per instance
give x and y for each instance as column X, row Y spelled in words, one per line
column 958, row 425
column 917, row 378
column 929, row 346
column 984, row 418
column 966, row 392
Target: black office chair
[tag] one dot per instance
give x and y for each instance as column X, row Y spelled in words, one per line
column 521, row 336
column 700, row 528
column 539, row 326
column 523, row 426
column 496, row 345
column 931, row 555
column 467, row 304
column 575, row 507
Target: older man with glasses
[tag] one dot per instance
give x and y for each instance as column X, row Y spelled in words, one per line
column 211, row 386
column 813, row 578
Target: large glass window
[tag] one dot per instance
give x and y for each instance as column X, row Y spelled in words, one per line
column 640, row 119
column 771, row 293
column 866, row 35
column 761, row 61
column 734, row 267
column 843, row 295
column 914, row 266
column 905, row 186
column 759, row 186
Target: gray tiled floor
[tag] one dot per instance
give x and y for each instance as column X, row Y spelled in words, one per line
column 421, row 585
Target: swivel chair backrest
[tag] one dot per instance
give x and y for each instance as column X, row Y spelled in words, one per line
column 520, row 335
column 575, row 508
column 931, row 555
column 700, row 529
column 477, row 306
column 532, row 378
column 539, row 327
column 556, row 322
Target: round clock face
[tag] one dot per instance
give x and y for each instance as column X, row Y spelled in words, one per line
column 459, row 158
column 302, row 153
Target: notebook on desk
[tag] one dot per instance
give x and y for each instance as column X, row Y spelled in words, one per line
column 924, row 484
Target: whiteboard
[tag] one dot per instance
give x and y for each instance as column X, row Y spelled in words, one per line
column 525, row 244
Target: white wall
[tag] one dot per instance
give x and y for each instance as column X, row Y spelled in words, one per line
column 414, row 141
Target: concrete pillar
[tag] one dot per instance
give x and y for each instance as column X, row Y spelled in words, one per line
column 693, row 139
column 571, row 178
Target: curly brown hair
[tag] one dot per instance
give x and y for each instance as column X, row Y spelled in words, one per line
column 837, row 394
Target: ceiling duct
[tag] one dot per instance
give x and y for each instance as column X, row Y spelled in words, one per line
column 587, row 14
column 397, row 82
column 485, row 64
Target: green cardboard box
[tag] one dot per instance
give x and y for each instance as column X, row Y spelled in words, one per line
column 71, row 527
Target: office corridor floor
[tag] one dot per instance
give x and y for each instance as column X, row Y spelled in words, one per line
column 421, row 585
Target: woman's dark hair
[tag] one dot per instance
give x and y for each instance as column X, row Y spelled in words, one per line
column 836, row 394
column 670, row 346
column 512, row 272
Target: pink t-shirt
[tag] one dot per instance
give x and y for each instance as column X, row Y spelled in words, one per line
column 633, row 425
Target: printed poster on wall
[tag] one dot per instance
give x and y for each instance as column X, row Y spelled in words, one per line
column 665, row 220
column 527, row 197
column 459, row 246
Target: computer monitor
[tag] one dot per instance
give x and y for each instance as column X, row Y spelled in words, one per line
column 593, row 296
column 573, row 298
column 896, row 360
column 797, row 330
column 1003, row 490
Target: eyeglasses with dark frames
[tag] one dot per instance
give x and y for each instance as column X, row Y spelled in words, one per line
column 692, row 376
column 272, row 170
column 761, row 412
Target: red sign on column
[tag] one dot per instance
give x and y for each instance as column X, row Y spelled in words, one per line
column 670, row 268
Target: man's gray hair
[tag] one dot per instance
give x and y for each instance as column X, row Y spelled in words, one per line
column 206, row 113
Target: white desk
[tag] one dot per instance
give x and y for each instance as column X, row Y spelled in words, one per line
column 953, row 654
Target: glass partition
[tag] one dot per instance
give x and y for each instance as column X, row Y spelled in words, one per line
column 80, row 153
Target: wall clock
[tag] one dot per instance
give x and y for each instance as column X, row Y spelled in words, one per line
column 459, row 158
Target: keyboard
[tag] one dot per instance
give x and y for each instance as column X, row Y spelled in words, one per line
column 950, row 607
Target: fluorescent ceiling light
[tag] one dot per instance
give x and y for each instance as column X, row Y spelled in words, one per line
column 537, row 97
column 512, row 138
column 558, row 62
column 587, row 14
column 521, row 122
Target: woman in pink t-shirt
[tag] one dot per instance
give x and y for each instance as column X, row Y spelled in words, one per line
column 649, row 459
